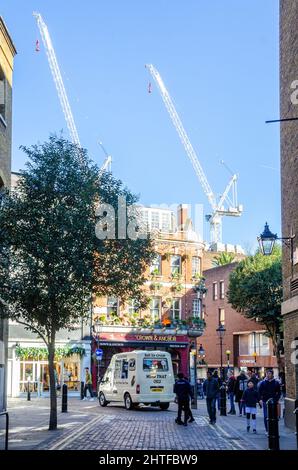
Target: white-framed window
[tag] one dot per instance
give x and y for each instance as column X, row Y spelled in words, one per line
column 175, row 264
column 145, row 215
column 196, row 308
column 156, row 264
column 112, row 305
column 215, row 290
column 132, row 306
column 165, row 222
column 155, row 308
column 264, row 345
column 221, row 316
column 195, row 265
column 154, row 220
column 221, row 289
column 176, row 309
column 259, row 343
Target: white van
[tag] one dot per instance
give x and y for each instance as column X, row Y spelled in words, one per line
column 138, row 377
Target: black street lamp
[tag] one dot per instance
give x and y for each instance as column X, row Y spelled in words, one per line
column 267, row 241
column 221, row 332
column 228, row 353
column 193, row 352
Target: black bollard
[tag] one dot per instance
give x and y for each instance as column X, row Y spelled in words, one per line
column 296, row 413
column 28, row 391
column 64, row 398
column 82, row 390
column 272, row 422
column 222, row 401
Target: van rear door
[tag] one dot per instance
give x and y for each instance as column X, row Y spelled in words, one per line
column 158, row 376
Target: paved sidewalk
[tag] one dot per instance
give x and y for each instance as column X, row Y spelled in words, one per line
column 235, row 426
column 87, row 426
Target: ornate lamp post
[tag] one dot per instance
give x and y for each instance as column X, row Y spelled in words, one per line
column 223, row 406
column 193, row 352
column 228, row 353
column 221, row 332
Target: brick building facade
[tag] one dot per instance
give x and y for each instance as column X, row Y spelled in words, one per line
column 7, row 53
column 172, row 320
column 289, row 193
column 249, row 347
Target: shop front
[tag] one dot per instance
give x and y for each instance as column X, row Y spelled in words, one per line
column 28, row 368
column 113, row 342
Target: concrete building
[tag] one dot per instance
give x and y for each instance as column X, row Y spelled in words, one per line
column 249, row 347
column 172, row 321
column 289, row 194
column 7, row 53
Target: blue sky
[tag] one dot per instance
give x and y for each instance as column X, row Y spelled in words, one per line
column 219, row 61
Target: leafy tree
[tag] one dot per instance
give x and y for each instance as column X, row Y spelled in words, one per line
column 223, row 258
column 255, row 290
column 51, row 261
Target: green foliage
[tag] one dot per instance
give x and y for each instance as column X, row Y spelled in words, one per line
column 223, row 259
column 48, row 235
column 51, row 261
column 42, row 354
column 255, row 290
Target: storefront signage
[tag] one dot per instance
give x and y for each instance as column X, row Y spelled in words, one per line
column 247, row 361
column 167, row 338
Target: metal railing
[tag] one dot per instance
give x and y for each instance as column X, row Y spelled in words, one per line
column 2, row 413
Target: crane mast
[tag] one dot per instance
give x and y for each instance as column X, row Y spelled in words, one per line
column 54, row 67
column 219, row 210
column 52, row 59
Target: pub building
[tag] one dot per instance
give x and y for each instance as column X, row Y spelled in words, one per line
column 174, row 317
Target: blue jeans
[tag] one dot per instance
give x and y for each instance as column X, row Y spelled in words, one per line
column 211, row 408
column 241, row 407
column 232, row 404
column 265, row 415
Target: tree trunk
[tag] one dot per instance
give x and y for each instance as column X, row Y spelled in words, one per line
column 53, row 394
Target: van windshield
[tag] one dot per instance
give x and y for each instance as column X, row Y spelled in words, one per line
column 155, row 364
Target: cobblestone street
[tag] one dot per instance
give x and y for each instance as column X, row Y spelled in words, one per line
column 87, row 426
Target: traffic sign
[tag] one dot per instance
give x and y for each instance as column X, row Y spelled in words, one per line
column 99, row 354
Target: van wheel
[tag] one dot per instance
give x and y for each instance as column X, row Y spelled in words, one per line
column 128, row 401
column 164, row 406
column 102, row 399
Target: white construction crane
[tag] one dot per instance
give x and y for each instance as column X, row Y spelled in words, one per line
column 54, row 67
column 53, row 63
column 227, row 205
column 107, row 164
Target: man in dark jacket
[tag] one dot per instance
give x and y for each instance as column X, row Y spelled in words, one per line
column 211, row 389
column 183, row 391
column 269, row 388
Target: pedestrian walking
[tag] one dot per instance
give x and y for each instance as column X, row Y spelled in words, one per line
column 211, row 390
column 183, row 391
column 200, row 391
column 250, row 400
column 231, row 392
column 252, row 376
column 240, row 386
column 88, row 384
column 269, row 388
column 215, row 375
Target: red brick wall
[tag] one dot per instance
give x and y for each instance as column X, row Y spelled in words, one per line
column 234, row 322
